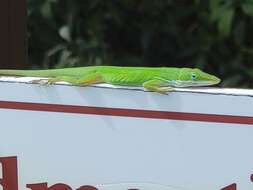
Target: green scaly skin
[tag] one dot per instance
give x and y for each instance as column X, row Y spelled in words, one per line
column 158, row 79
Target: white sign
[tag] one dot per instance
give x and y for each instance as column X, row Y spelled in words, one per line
column 64, row 137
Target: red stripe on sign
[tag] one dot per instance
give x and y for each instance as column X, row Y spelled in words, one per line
column 123, row 112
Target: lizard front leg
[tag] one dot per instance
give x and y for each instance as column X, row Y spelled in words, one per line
column 157, row 85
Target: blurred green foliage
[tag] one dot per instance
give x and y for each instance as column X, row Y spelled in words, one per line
column 214, row 35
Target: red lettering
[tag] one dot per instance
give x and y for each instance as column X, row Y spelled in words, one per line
column 9, row 179
column 87, row 187
column 43, row 186
column 230, row 187
column 38, row 186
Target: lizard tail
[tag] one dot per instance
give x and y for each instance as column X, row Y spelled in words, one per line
column 48, row 73
column 32, row 73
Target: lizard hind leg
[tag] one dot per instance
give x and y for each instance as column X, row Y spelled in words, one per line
column 81, row 81
column 91, row 79
column 68, row 79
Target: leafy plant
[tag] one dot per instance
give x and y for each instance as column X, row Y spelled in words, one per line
column 214, row 35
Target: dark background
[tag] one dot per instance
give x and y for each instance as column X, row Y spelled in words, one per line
column 213, row 35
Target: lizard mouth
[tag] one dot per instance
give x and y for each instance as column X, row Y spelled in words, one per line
column 181, row 84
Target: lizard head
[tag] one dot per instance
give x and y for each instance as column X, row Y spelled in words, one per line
column 195, row 77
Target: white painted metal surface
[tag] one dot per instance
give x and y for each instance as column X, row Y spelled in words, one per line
column 126, row 152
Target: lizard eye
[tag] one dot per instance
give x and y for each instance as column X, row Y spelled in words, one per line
column 193, row 76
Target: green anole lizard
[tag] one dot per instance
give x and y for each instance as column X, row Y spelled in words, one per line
column 157, row 79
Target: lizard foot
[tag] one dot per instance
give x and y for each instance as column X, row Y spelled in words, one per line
column 41, row 81
column 165, row 90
